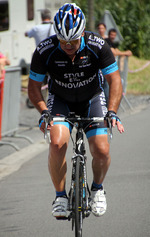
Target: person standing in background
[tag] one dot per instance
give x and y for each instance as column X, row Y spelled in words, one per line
column 111, row 41
column 102, row 29
column 44, row 30
column 112, row 33
column 3, row 62
column 41, row 32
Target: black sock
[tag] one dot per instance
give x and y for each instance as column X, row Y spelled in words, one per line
column 95, row 186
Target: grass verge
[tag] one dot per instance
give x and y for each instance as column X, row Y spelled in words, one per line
column 138, row 82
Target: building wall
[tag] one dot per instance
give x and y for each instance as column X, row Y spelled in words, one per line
column 13, row 43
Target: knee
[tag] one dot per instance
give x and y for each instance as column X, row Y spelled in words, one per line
column 58, row 146
column 100, row 151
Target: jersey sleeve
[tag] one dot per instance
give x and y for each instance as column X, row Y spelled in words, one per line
column 38, row 67
column 108, row 63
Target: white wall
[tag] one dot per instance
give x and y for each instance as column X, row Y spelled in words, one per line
column 13, row 43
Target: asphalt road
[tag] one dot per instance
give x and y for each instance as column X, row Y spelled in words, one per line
column 26, row 195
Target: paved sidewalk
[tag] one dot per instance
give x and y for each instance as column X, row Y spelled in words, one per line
column 14, row 161
column 28, row 138
column 28, row 132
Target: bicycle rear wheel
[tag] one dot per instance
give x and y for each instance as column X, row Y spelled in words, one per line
column 78, row 199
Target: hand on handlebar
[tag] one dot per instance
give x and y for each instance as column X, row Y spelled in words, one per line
column 115, row 120
column 45, row 121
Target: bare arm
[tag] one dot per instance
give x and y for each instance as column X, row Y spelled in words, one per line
column 117, row 52
column 115, row 95
column 35, row 95
column 115, row 90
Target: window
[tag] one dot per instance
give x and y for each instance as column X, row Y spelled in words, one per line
column 30, row 8
column 4, row 17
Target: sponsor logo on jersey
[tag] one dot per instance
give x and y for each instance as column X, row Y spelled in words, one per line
column 45, row 45
column 84, row 62
column 73, row 75
column 103, row 103
column 50, row 102
column 96, row 41
column 76, row 82
column 61, row 63
column 84, row 57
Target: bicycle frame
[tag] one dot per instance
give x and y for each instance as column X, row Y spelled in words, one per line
column 81, row 208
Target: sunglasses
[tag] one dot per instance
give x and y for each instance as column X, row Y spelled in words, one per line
column 71, row 42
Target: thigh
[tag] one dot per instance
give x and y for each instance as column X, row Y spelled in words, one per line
column 58, row 107
column 97, row 108
column 59, row 135
column 98, row 143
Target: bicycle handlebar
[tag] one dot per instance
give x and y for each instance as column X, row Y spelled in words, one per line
column 73, row 120
column 77, row 119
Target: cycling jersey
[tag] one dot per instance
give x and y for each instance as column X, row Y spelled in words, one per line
column 75, row 81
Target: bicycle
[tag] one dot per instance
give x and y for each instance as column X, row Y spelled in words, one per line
column 79, row 195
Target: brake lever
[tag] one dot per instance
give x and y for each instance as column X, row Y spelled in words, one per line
column 46, row 124
column 46, row 121
column 110, row 128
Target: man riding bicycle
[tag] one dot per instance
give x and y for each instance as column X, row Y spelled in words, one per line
column 74, row 59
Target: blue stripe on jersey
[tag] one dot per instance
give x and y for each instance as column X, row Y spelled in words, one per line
column 92, row 51
column 37, row 77
column 60, row 47
column 97, row 131
column 82, row 45
column 89, row 108
column 111, row 68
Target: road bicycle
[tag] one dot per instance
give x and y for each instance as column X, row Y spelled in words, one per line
column 79, row 196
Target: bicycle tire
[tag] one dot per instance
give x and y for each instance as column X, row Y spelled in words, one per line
column 78, row 200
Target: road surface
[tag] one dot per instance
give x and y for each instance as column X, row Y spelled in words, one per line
column 26, row 195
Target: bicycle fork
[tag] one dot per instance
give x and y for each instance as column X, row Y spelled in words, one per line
column 85, row 192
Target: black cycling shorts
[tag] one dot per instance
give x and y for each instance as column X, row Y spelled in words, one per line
column 96, row 107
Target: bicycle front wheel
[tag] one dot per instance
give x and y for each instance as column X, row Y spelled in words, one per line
column 78, row 199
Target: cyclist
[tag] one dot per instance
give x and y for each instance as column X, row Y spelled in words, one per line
column 73, row 58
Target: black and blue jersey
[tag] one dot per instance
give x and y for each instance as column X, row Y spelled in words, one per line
column 75, row 81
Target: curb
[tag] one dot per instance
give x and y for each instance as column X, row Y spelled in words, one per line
column 13, row 162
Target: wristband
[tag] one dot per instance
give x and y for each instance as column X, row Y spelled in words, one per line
column 111, row 111
column 45, row 111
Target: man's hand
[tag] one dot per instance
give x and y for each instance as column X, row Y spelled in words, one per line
column 45, row 115
column 114, row 119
